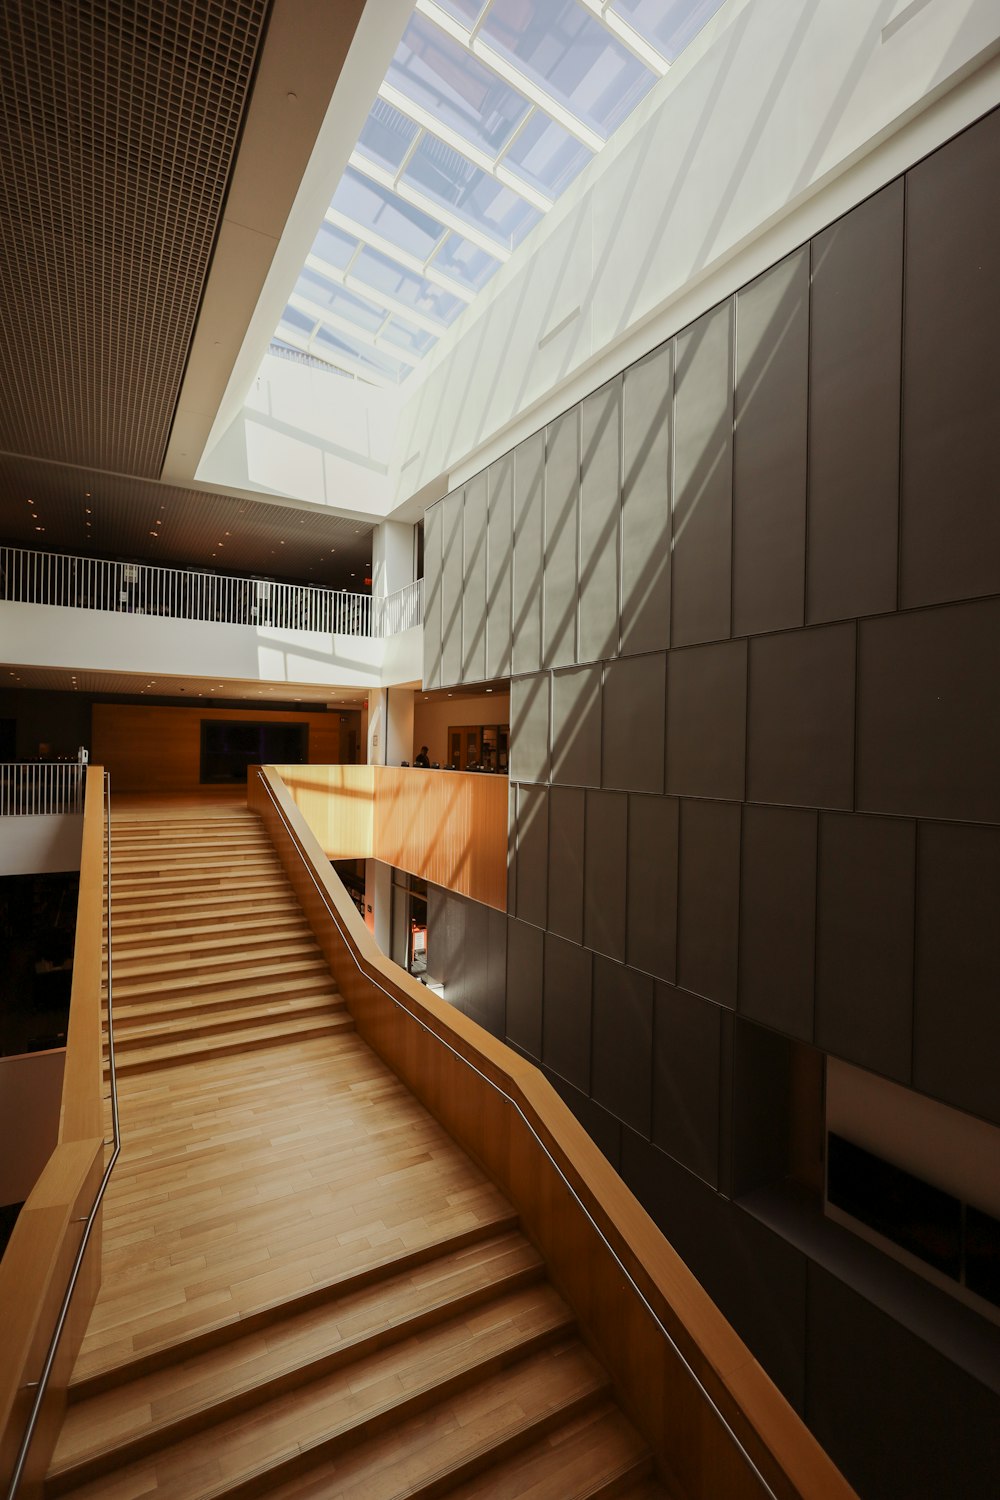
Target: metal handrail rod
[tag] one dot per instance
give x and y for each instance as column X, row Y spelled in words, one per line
column 527, row 1122
column 88, row 1228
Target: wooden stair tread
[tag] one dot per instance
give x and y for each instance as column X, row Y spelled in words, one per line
column 329, row 1416
column 181, row 949
column 304, row 973
column 214, row 954
column 278, row 907
column 427, row 1454
column 596, row 1454
column 261, row 1035
column 234, row 898
column 98, row 1367
column 131, row 1033
column 207, row 877
column 178, row 1399
column 194, row 1008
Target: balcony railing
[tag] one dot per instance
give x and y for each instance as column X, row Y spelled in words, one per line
column 399, row 611
column 177, row 593
column 32, row 788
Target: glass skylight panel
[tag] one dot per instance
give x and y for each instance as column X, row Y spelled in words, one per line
column 331, row 295
column 385, row 275
column 297, row 322
column 449, row 179
column 416, row 340
column 668, row 25
column 441, row 76
column 332, row 344
column 334, row 246
column 546, row 156
column 465, row 262
column 378, row 209
column 386, row 136
column 466, row 11
column 567, row 52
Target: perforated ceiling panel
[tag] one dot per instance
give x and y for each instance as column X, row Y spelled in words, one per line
column 55, row 507
column 119, row 121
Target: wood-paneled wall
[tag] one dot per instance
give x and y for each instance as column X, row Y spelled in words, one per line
column 691, row 1389
column 152, row 749
column 448, row 827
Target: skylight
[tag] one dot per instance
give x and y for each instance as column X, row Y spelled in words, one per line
column 488, row 111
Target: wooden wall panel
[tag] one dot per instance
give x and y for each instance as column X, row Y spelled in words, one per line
column 447, row 827
column 151, row 749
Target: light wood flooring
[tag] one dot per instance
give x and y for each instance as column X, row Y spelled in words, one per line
column 308, row 1289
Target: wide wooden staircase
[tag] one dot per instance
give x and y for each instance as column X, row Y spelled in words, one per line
column 308, row 1289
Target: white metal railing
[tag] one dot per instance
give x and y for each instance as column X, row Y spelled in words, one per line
column 397, row 612
column 177, row 593
column 33, row 788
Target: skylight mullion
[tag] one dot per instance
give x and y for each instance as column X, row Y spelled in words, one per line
column 430, row 207
column 361, row 288
column 616, row 26
column 491, row 165
column 351, row 330
column 401, row 257
column 342, row 362
column 410, row 150
column 510, row 74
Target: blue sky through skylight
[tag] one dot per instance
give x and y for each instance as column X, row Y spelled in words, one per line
column 488, row 112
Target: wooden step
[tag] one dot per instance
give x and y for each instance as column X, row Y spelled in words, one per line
column 272, row 1034
column 467, row 1434
column 222, row 898
column 187, row 950
column 132, row 1014
column 221, row 862
column 305, row 973
column 146, row 1411
column 278, row 908
column 190, row 838
column 596, row 1454
column 313, row 1422
column 132, row 1031
column 189, row 877
column 144, row 962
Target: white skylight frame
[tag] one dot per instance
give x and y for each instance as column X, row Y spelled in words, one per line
column 496, row 237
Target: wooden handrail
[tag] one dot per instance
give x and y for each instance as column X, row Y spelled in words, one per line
column 713, row 1417
column 449, row 827
column 38, row 1260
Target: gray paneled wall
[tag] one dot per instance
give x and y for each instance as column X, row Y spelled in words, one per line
column 754, row 629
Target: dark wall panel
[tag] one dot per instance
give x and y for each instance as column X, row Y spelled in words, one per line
column 600, row 512
column 854, row 373
column 605, row 867
column 778, row 918
column 633, row 710
column 432, row 596
column 529, row 474
column 709, row 900
column 499, row 565
column 562, row 493
column 687, row 1035
column 576, row 726
column 451, row 587
column 769, row 451
column 532, row 853
column 567, row 809
column 703, row 479
column 512, row 847
column 897, row 1418
column 495, row 1016
column 566, row 1015
column 950, row 545
column 864, row 941
column 956, row 1021
column 929, row 713
column 623, row 1043
column 645, row 540
column 604, row 1130
column 474, row 582
column 524, row 986
column 706, row 720
column 801, row 718
column 529, row 728
column 653, row 825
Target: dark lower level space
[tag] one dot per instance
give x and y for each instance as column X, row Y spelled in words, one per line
column 37, row 928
